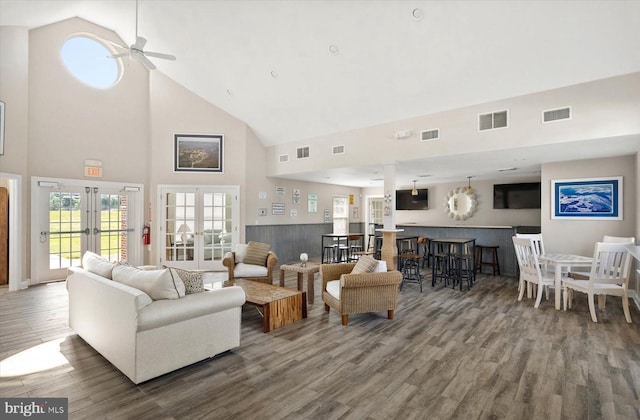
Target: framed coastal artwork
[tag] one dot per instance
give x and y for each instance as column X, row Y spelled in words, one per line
column 198, row 153
column 587, row 199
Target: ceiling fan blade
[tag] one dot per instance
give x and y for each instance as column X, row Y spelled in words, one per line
column 124, row 54
column 147, row 63
column 160, row 55
column 140, row 43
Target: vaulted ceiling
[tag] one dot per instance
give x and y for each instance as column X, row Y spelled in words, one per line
column 295, row 70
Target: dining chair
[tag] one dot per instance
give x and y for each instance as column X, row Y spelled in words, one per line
column 619, row 240
column 530, row 271
column 538, row 248
column 609, row 275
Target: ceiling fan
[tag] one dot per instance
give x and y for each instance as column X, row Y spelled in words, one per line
column 136, row 51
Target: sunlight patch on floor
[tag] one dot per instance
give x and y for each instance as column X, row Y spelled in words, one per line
column 39, row 358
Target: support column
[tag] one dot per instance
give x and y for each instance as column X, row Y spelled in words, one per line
column 389, row 246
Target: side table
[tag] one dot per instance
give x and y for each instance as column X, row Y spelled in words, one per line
column 309, row 269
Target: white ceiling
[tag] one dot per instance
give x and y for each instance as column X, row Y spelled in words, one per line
column 390, row 66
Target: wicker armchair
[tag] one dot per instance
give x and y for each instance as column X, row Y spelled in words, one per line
column 366, row 292
column 229, row 261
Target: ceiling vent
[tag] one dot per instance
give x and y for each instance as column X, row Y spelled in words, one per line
column 338, row 150
column 428, row 135
column 559, row 114
column 302, row 152
column 493, row 120
column 284, row 158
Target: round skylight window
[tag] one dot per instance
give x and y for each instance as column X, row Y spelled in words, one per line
column 87, row 59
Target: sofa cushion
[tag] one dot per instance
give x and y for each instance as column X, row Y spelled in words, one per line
column 158, row 284
column 257, row 253
column 96, row 264
column 333, row 288
column 167, row 312
column 250, row 270
column 193, row 280
column 241, row 252
column 365, row 264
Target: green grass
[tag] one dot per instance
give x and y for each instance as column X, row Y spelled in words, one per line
column 70, row 245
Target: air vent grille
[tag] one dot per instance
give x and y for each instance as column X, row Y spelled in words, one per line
column 303, row 152
column 338, row 150
column 493, row 120
column 284, row 158
column 559, row 114
column 428, row 135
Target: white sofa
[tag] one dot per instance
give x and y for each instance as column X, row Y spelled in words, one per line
column 146, row 338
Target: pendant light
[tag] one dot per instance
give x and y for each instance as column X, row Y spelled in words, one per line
column 414, row 191
column 469, row 189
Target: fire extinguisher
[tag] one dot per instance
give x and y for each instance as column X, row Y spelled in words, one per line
column 146, row 235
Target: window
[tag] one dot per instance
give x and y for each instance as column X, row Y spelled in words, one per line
column 340, row 215
column 86, row 59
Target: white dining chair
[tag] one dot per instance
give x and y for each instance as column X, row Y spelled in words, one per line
column 609, row 275
column 538, row 248
column 619, row 240
column 530, row 271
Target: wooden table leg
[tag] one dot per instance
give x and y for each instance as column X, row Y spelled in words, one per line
column 300, row 278
column 310, row 288
column 281, row 278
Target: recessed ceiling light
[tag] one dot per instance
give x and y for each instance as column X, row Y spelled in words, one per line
column 417, row 14
column 506, row 169
column 229, row 92
column 274, row 74
column 333, row 49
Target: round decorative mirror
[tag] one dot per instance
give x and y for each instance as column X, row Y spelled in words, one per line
column 460, row 204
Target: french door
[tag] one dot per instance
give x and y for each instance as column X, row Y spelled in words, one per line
column 73, row 216
column 198, row 225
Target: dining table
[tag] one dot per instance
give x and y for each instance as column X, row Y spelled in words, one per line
column 338, row 239
column 560, row 261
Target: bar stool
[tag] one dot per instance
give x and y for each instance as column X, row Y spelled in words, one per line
column 426, row 251
column 410, row 269
column 493, row 263
column 330, row 254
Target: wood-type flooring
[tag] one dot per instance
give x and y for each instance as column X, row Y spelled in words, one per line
column 448, row 354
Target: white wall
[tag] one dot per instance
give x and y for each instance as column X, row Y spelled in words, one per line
column 601, row 109
column 579, row 236
column 485, row 215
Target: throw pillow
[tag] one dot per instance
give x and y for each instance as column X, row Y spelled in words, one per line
column 381, row 266
column 241, row 251
column 257, row 253
column 365, row 264
column 97, row 264
column 158, row 284
column 193, row 280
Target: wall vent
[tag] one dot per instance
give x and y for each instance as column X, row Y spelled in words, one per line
column 302, row 152
column 428, row 135
column 559, row 114
column 284, row 158
column 338, row 150
column 493, row 120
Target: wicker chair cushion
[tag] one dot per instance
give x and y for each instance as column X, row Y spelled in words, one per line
column 257, row 253
column 365, row 264
column 333, row 288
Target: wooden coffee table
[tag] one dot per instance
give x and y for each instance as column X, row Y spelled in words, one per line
column 280, row 306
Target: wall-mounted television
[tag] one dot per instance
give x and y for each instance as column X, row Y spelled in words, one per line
column 406, row 201
column 525, row 195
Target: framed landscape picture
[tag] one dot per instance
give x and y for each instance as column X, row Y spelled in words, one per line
column 587, row 199
column 198, row 153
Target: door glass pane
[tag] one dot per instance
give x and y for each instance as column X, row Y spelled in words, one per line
column 217, row 223
column 65, row 224
column 113, row 227
column 180, row 226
